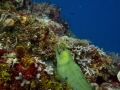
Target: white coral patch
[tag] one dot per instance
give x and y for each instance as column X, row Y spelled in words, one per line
column 49, row 70
column 39, row 68
column 118, row 75
column 38, row 75
column 19, row 77
column 24, row 82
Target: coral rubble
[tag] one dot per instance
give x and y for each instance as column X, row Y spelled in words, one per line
column 28, row 35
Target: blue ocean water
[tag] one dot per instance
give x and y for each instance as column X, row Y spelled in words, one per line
column 95, row 20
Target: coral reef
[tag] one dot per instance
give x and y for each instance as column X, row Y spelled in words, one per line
column 28, row 35
column 98, row 67
column 27, row 73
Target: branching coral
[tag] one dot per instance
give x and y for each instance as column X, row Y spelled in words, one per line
column 114, row 67
column 93, row 61
column 4, row 21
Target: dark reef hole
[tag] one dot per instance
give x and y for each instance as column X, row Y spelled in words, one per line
column 113, row 78
column 99, row 80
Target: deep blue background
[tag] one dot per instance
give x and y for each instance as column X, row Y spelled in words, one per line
column 95, row 20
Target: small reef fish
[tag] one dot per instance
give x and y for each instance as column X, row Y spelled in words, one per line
column 69, row 71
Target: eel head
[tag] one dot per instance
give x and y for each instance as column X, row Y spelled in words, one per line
column 63, row 55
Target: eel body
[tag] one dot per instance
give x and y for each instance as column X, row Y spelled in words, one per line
column 69, row 71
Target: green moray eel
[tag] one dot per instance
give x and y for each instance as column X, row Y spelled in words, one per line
column 69, row 71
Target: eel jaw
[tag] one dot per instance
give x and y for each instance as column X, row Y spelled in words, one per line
column 57, row 51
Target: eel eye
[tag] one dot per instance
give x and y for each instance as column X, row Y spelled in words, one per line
column 63, row 48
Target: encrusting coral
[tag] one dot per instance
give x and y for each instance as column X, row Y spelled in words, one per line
column 28, row 35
